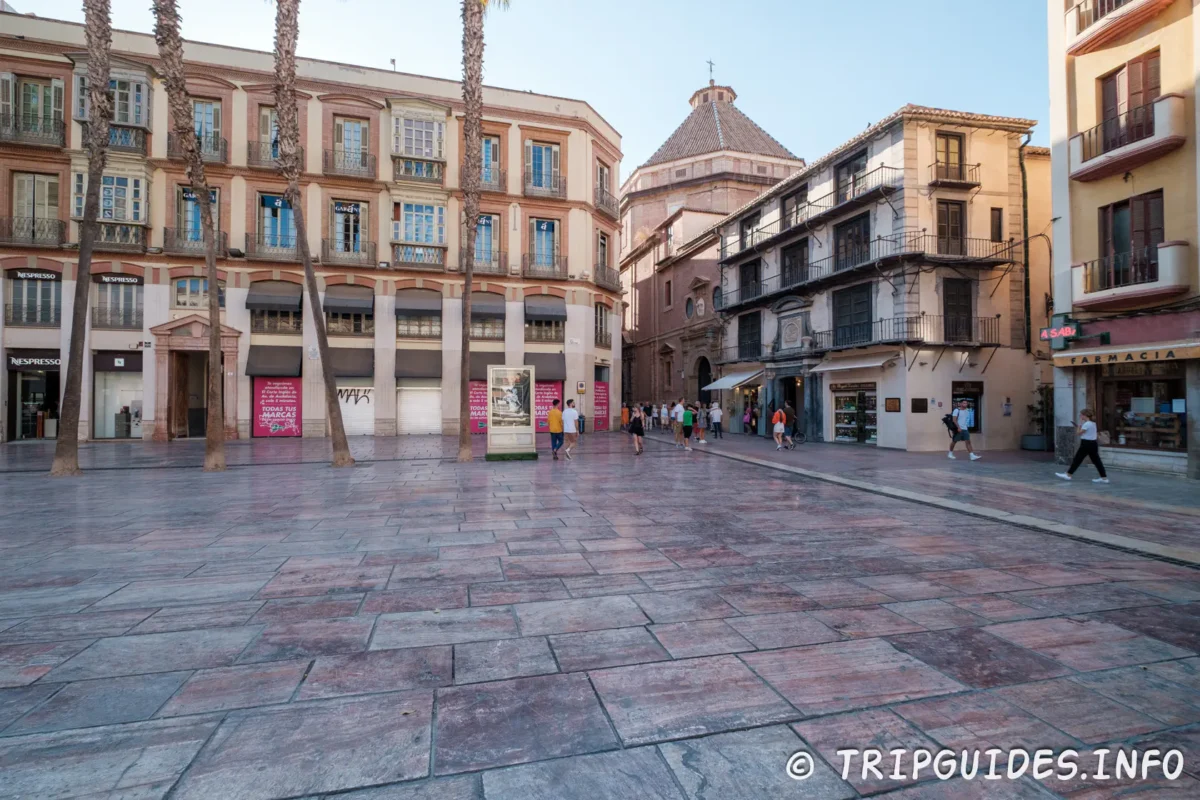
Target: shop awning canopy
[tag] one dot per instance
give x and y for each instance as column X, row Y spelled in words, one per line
column 274, row 296
column 545, row 307
column 732, row 381
column 487, row 305
column 480, row 363
column 353, row 362
column 418, row 303
column 547, row 366
column 347, row 299
column 419, row 363
column 270, row 361
column 856, row 362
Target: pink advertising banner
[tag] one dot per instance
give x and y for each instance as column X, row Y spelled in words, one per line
column 277, row 407
column 478, row 397
column 544, row 393
column 600, row 405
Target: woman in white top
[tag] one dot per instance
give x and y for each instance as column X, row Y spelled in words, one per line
column 1088, row 448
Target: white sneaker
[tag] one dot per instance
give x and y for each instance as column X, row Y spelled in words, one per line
column 779, row 447
column 688, row 449
column 1063, row 475
column 1099, row 480
column 568, row 452
column 975, row 457
column 951, row 456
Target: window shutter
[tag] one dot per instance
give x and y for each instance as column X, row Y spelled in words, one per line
column 57, row 92
column 364, row 142
column 216, row 131
column 337, row 131
column 1138, row 224
column 1153, row 77
column 555, row 163
column 440, row 142
column 531, row 245
column 7, row 85
column 441, row 224
column 1155, row 231
column 556, row 235
column 264, row 124
column 528, row 156
column 80, row 104
column 23, row 203
column 145, row 105
column 1136, row 83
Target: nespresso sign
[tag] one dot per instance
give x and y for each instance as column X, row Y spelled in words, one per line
column 34, row 275
column 112, row 277
column 34, row 360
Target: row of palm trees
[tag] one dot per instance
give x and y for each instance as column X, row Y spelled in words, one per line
column 98, row 32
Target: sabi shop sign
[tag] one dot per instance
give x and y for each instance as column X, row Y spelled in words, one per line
column 478, row 398
column 600, row 406
column 544, row 395
column 1068, row 331
column 276, row 407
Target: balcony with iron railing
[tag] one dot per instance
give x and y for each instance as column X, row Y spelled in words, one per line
column 545, row 333
column 349, row 324
column 961, row 251
column 265, row 155
column 121, row 237
column 32, row 129
column 1129, row 140
column 272, row 247
column 32, row 315
column 348, row 252
column 427, row 171
column 1136, row 278
column 213, row 148
column 492, row 179
column 954, row 330
column 606, row 202
column 953, row 175
column 748, row 350
column 349, row 163
column 604, row 339
column 32, row 232
column 123, row 139
column 407, row 255
column 545, row 184
column 1093, row 23
column 494, row 262
column 544, row 265
column 608, row 278
column 117, row 318
column 853, row 193
column 190, row 242
column 285, row 323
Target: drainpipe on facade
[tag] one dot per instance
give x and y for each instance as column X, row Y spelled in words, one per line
column 1025, row 247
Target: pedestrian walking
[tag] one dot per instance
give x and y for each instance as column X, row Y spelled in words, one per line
column 686, row 422
column 664, row 416
column 637, row 430
column 961, row 417
column 746, row 422
column 624, row 416
column 554, row 421
column 653, row 414
column 715, row 416
column 789, row 422
column 701, row 423
column 570, row 421
column 1088, row 448
column 778, row 426
column 677, row 421
column 755, row 413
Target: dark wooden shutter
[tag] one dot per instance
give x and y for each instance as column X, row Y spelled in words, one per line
column 956, row 309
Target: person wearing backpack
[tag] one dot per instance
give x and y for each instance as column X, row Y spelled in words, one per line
column 961, row 418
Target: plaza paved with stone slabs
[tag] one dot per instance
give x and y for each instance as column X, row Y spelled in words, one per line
column 670, row 626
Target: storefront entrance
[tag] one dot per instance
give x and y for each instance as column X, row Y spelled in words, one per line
column 1143, row 406
column 188, row 397
column 117, row 395
column 181, row 374
column 854, row 413
column 33, row 394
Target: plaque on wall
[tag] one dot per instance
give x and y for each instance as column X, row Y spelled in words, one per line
column 891, row 404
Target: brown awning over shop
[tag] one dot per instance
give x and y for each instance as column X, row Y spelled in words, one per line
column 487, row 305
column 270, row 361
column 419, row 303
column 353, row 362
column 419, row 363
column 545, row 307
column 547, row 366
column 480, row 363
column 347, row 299
column 274, row 296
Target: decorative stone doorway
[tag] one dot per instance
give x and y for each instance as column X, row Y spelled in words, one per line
column 172, row 341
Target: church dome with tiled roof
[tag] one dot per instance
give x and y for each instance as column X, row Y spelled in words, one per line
column 716, row 124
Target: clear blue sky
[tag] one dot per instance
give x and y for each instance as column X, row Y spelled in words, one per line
column 811, row 72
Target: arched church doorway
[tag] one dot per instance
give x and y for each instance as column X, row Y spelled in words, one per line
column 703, row 378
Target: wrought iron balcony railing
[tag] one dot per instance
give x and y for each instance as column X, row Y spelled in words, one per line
column 32, row 129
column 348, row 252
column 604, row 339
column 949, row 172
column 265, row 155
column 288, row 323
column 926, row 329
column 418, row 170
column 545, row 184
column 350, row 163
column 32, row 232
column 1132, row 126
column 1121, row 269
column 123, row 139
column 123, row 237
column 117, row 318
column 26, row 315
column 418, row 256
column 606, row 202
column 190, row 242
column 608, row 278
column 494, row 262
column 409, row 327
column 537, row 333
column 1089, row 12
column 544, row 265
column 492, row 179
column 213, row 148
column 272, row 247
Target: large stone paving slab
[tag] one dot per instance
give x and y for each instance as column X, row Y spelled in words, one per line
column 424, row 628
column 157, row 652
column 672, row 700
column 977, row 658
column 1086, row 644
column 107, row 701
column 621, row 775
column 573, row 616
column 316, row 747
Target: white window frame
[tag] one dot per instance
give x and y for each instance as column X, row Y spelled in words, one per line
column 135, row 209
column 195, row 293
column 423, row 214
column 404, row 137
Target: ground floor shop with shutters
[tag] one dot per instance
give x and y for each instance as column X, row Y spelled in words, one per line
column 418, row 391
column 117, row 386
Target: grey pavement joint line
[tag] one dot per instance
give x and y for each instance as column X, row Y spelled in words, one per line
column 1178, row 554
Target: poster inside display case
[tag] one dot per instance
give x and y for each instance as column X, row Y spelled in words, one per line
column 510, row 414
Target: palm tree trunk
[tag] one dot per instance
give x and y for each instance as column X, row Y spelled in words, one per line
column 170, row 50
column 472, row 43
column 98, row 34
column 287, row 29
